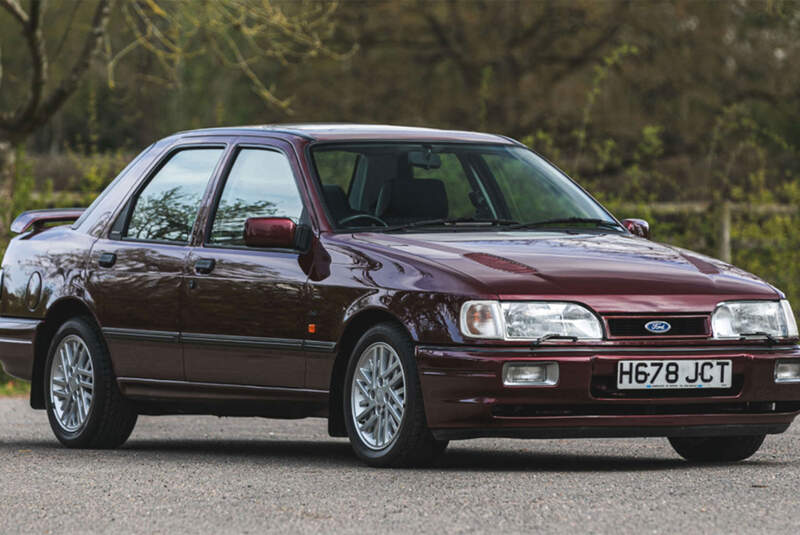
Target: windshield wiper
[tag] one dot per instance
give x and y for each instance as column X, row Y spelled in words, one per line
column 553, row 336
column 449, row 221
column 759, row 335
column 567, row 220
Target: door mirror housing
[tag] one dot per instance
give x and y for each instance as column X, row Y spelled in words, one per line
column 270, row 232
column 638, row 227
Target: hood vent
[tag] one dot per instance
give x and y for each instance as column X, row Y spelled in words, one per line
column 503, row 264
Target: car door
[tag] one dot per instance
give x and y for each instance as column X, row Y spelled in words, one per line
column 137, row 270
column 243, row 314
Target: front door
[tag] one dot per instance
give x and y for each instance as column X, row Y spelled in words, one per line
column 242, row 315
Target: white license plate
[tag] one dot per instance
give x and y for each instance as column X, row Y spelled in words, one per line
column 662, row 374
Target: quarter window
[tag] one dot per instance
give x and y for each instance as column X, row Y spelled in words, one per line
column 260, row 184
column 167, row 207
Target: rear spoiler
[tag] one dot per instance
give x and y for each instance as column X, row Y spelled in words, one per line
column 38, row 218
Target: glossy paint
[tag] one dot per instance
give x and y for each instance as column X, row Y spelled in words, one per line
column 265, row 232
column 265, row 330
column 37, row 218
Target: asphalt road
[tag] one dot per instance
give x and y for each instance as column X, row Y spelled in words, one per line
column 211, row 475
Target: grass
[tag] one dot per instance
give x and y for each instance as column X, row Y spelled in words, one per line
column 15, row 388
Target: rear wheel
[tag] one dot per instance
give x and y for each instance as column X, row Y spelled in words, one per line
column 717, row 449
column 383, row 407
column 84, row 404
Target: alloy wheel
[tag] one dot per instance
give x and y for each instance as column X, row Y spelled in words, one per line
column 378, row 395
column 71, row 383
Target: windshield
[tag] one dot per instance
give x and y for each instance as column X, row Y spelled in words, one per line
column 390, row 186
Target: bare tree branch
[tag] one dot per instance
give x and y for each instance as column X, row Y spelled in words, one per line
column 16, row 11
column 69, row 84
column 36, row 45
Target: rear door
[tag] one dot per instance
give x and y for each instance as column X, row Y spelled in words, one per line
column 243, row 313
column 136, row 271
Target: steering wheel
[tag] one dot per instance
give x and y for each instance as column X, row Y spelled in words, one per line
column 355, row 217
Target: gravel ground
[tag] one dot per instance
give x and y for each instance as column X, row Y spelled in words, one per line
column 212, row 475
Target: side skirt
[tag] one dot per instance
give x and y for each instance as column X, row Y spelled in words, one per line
column 159, row 397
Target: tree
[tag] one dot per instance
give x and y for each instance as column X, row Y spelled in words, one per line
column 44, row 98
column 247, row 36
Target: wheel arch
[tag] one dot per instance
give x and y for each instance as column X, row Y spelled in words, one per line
column 59, row 312
column 353, row 331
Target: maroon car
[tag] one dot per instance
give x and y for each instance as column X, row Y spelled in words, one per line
column 411, row 285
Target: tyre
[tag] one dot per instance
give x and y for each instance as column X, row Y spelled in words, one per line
column 383, row 407
column 717, row 449
column 84, row 404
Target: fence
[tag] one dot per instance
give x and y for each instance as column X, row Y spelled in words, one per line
column 725, row 211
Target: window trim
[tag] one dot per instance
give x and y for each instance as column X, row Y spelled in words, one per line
column 125, row 213
column 219, row 189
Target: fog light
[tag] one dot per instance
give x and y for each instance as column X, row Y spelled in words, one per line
column 530, row 373
column 787, row 372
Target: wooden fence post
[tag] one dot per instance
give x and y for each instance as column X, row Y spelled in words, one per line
column 725, row 232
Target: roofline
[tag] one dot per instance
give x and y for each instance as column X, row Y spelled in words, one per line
column 244, row 131
column 303, row 134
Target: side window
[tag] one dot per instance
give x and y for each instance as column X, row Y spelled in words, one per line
column 260, row 184
column 167, row 207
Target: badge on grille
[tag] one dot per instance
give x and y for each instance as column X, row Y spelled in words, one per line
column 657, row 327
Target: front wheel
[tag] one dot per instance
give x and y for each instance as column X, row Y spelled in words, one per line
column 717, row 449
column 84, row 404
column 383, row 407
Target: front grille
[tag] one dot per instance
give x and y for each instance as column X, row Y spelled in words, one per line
column 634, row 326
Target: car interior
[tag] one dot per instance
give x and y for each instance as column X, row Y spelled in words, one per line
column 391, row 187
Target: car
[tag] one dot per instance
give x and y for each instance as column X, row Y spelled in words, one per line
column 411, row 285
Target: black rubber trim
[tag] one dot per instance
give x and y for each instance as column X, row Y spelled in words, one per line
column 242, row 341
column 612, row 432
column 317, row 345
column 294, row 344
column 610, row 350
column 142, row 335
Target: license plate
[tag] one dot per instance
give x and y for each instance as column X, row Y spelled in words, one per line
column 663, row 374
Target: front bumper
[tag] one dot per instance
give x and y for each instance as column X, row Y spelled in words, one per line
column 465, row 397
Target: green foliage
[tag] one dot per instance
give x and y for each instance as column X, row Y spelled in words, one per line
column 642, row 104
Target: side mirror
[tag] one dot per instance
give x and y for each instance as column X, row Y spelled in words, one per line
column 638, row 227
column 269, row 232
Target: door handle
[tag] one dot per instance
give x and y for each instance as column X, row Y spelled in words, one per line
column 107, row 260
column 204, row 265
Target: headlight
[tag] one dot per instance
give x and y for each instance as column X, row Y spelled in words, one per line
column 734, row 319
column 528, row 320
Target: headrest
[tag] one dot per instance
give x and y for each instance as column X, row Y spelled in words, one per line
column 420, row 198
column 336, row 199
